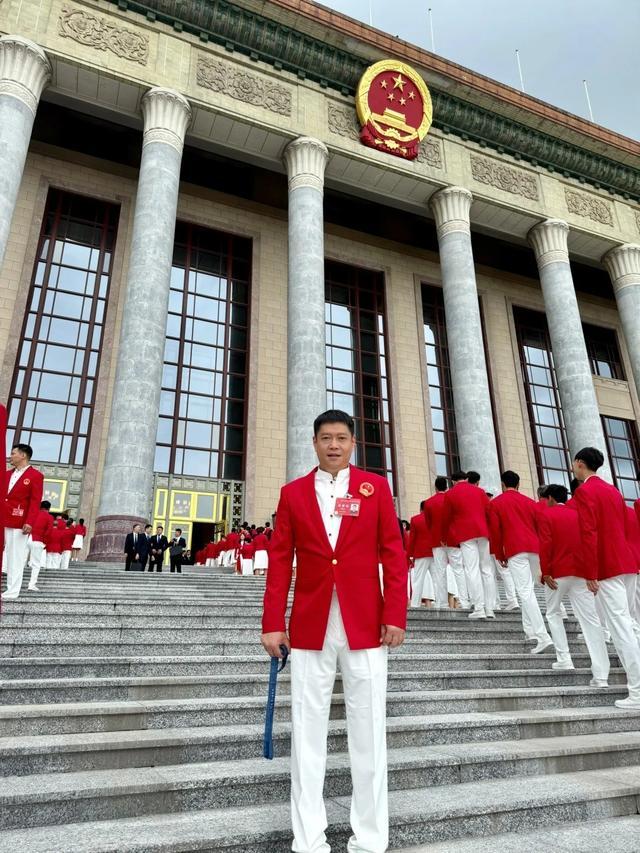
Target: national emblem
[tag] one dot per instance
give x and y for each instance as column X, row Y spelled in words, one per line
column 394, row 108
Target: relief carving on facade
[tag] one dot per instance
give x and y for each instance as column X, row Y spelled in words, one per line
column 638, row 221
column 102, row 34
column 589, row 206
column 243, row 86
column 504, row 177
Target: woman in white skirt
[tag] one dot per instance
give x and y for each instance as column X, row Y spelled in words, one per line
column 247, row 552
column 261, row 558
column 452, row 588
column 78, row 541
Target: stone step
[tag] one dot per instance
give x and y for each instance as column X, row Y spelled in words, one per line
column 67, row 717
column 426, row 815
column 54, row 799
column 109, row 750
column 113, row 667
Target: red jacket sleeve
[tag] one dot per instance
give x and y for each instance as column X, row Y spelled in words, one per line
column 588, row 533
column 394, row 562
column 545, row 538
column 35, row 497
column 280, row 571
column 496, row 543
column 446, row 518
column 412, row 541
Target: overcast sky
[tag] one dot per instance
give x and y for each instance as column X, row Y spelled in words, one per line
column 561, row 42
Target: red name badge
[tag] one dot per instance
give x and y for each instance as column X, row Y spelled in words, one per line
column 348, row 506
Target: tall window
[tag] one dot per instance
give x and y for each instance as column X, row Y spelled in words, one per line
column 543, row 401
column 603, row 351
column 54, row 383
column 624, row 454
column 201, row 429
column 357, row 379
column 443, row 419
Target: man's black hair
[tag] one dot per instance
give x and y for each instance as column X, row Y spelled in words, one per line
column 147, row 526
column 46, row 505
column 457, row 476
column 574, row 485
column 422, row 503
column 333, row 416
column 178, row 530
column 473, row 477
column 24, row 448
column 591, row 457
column 441, row 484
column 159, row 526
column 557, row 492
column 510, row 479
column 81, row 521
column 542, row 491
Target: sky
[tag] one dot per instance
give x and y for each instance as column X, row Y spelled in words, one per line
column 561, row 43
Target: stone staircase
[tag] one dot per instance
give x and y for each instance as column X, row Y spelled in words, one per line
column 132, row 706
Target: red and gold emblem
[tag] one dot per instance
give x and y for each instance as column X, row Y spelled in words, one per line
column 394, row 108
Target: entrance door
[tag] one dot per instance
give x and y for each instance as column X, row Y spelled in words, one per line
column 201, row 534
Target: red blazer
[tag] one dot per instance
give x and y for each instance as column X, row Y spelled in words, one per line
column 247, row 550
column 364, row 542
column 261, row 543
column 81, row 530
column 512, row 521
column 233, row 540
column 68, row 535
column 54, row 544
column 22, row 503
column 603, row 530
column 433, row 514
column 633, row 534
column 419, row 538
column 465, row 513
column 560, row 542
column 42, row 526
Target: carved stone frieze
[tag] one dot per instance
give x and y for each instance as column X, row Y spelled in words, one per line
column 589, row 206
column 102, row 34
column 638, row 221
column 504, row 177
column 219, row 76
column 430, row 152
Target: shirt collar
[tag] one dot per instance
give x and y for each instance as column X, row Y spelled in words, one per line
column 341, row 477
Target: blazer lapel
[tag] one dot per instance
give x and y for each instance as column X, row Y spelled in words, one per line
column 356, row 477
column 309, row 488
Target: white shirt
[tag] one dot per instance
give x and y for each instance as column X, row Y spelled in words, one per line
column 328, row 489
column 15, row 476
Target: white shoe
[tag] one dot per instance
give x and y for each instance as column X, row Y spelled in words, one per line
column 33, row 589
column 580, row 637
column 478, row 614
column 465, row 605
column 563, row 664
column 628, row 704
column 513, row 605
column 490, row 614
column 542, row 645
column 598, row 682
column 607, row 637
column 7, row 597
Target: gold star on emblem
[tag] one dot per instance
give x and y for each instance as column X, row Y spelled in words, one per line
column 383, row 83
column 403, row 101
column 398, row 82
column 412, row 95
column 391, row 97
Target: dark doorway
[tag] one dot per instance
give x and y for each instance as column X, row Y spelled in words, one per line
column 201, row 533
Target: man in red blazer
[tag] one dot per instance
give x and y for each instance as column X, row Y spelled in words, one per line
column 607, row 561
column 40, row 533
column 341, row 523
column 514, row 541
column 464, row 521
column 23, row 490
column 445, row 553
column 421, row 554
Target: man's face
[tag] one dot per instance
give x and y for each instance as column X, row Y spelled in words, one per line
column 334, row 445
column 148, row 529
column 158, row 531
column 17, row 458
column 136, row 528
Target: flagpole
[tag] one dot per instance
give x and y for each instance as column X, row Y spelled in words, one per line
column 433, row 44
column 586, row 91
column 370, row 13
column 519, row 69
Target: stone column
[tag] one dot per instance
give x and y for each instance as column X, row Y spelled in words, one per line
column 127, row 480
column 573, row 371
column 623, row 265
column 305, row 159
column 24, row 72
column 469, row 380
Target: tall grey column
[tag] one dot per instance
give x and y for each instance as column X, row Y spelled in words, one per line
column 305, row 159
column 24, row 72
column 623, row 265
column 575, row 383
column 127, row 480
column 469, row 380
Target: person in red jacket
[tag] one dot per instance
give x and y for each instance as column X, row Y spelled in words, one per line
column 514, row 541
column 23, row 486
column 445, row 553
column 54, row 544
column 247, row 552
column 464, row 521
column 68, row 536
column 421, row 555
column 633, row 538
column 562, row 574
column 261, row 552
column 40, row 533
column 607, row 561
column 78, row 542
column 341, row 523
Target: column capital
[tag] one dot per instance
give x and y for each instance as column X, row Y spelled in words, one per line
column 623, row 265
column 306, row 159
column 450, row 207
column 167, row 116
column 24, row 70
column 549, row 241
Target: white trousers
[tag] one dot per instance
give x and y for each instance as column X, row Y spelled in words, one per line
column 454, row 556
column 584, row 607
column 364, row 684
column 53, row 560
column 438, row 569
column 420, row 571
column 522, row 574
column 509, row 586
column 16, row 545
column 37, row 557
column 64, row 559
column 632, row 592
column 247, row 566
column 615, row 603
column 478, row 570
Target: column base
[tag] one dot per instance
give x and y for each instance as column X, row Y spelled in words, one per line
column 107, row 544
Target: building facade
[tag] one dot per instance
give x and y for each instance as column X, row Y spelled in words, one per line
column 198, row 254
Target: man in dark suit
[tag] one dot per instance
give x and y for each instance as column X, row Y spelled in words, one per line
column 132, row 546
column 145, row 546
column 159, row 544
column 176, row 549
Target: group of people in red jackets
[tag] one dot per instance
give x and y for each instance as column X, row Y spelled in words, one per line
column 246, row 550
column 585, row 548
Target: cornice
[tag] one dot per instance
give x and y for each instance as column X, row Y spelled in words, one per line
column 288, row 49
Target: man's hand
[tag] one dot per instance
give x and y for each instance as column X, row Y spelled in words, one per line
column 272, row 642
column 137, row 557
column 26, row 529
column 391, row 636
column 549, row 581
column 593, row 586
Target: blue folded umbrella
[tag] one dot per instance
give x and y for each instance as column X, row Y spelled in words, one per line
column 277, row 665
